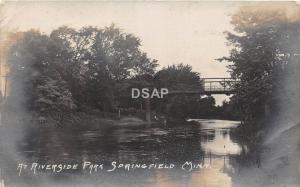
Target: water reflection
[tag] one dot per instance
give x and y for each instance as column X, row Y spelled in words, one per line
column 217, row 139
column 206, row 143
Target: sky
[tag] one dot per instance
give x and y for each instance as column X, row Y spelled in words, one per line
column 171, row 32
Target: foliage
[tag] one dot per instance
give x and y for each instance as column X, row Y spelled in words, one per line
column 73, row 68
column 181, row 78
column 35, row 81
column 264, row 43
column 229, row 109
column 100, row 59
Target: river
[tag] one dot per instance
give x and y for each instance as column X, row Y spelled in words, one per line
column 198, row 154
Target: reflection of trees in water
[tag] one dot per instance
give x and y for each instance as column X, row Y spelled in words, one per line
column 12, row 138
column 250, row 151
column 208, row 135
column 248, row 158
column 50, row 145
column 55, row 144
column 177, row 146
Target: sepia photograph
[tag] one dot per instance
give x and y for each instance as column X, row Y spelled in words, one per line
column 149, row 93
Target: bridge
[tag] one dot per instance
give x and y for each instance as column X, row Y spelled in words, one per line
column 211, row 86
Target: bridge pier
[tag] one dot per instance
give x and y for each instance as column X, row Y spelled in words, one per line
column 148, row 111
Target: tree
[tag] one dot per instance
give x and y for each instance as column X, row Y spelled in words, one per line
column 74, row 53
column 178, row 78
column 36, row 83
column 113, row 58
column 264, row 41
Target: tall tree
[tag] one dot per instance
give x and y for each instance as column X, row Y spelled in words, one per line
column 264, row 41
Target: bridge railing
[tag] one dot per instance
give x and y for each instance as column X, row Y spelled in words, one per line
column 217, row 88
column 211, row 86
column 219, row 84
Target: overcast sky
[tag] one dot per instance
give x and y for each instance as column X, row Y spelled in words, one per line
column 171, row 32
